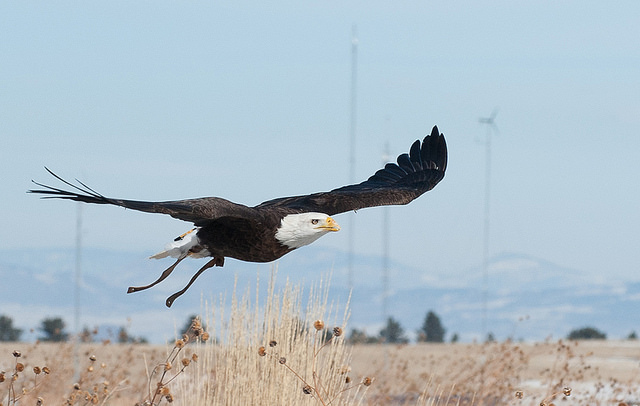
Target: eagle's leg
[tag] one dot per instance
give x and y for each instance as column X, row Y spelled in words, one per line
column 216, row 261
column 162, row 277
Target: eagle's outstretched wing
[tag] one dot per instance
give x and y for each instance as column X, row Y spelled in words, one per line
column 414, row 174
column 198, row 211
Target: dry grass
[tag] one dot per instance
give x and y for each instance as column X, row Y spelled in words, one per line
column 280, row 352
column 274, row 353
column 108, row 373
column 596, row 372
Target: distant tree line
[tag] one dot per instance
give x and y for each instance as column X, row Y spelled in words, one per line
column 587, row 333
column 7, row 331
column 53, row 329
column 431, row 331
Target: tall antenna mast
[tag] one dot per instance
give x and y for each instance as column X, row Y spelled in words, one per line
column 385, row 247
column 491, row 128
column 352, row 153
column 77, row 301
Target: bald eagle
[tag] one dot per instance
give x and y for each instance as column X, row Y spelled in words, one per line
column 268, row 231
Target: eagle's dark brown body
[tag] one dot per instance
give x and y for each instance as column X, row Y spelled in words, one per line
column 244, row 240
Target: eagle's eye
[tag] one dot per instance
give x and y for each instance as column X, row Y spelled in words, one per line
column 314, row 221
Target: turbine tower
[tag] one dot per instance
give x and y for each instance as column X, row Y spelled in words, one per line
column 492, row 129
column 352, row 152
column 386, row 157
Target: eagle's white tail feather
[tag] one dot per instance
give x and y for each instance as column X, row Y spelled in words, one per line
column 181, row 246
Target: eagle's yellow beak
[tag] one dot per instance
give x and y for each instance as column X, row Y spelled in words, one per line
column 330, row 225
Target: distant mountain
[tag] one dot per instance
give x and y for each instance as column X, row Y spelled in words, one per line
column 527, row 298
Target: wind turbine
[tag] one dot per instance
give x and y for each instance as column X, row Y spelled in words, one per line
column 490, row 120
column 492, row 128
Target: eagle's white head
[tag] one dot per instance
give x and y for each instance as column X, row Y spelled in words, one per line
column 297, row 230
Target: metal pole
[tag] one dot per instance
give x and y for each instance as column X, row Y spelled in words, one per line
column 486, row 234
column 352, row 155
column 77, row 301
column 385, row 249
column 491, row 125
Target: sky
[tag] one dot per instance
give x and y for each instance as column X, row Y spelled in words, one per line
column 158, row 100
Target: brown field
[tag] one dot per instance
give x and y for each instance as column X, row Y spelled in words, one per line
column 272, row 355
column 598, row 372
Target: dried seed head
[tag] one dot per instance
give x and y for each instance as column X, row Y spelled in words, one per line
column 273, row 343
column 39, row 401
column 196, row 324
column 185, row 338
column 169, row 398
column 164, row 391
column 337, row 331
column 2, row 377
column 167, row 366
column 37, row 370
column 17, row 354
column 262, row 351
column 194, row 357
column 367, row 381
column 185, row 362
column 318, row 324
column 19, row 367
column 90, row 368
column 307, row 388
column 92, row 357
column 282, row 360
column 76, row 386
column 179, row 344
column 519, row 394
column 205, row 336
column 347, row 379
column 566, row 391
column 46, row 370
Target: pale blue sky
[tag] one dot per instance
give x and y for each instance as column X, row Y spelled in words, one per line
column 250, row 101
